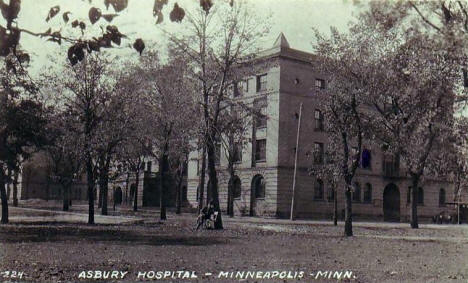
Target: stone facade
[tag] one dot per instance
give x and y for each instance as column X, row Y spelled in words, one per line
column 291, row 80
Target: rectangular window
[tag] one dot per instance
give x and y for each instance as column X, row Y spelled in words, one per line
column 261, row 83
column 260, row 150
column 366, row 159
column 319, row 83
column 318, row 153
column 318, row 120
column 331, row 194
column 239, row 88
column 391, row 165
column 198, row 167
column 237, row 153
column 260, row 107
column 248, row 85
column 236, row 112
column 148, row 166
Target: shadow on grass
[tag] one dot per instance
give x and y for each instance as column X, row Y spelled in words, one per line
column 55, row 232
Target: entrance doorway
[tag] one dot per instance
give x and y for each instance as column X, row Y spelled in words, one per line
column 257, row 191
column 118, row 196
column 391, row 203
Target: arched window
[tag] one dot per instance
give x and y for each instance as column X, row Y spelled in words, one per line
column 318, row 190
column 368, row 193
column 442, row 197
column 259, row 186
column 236, row 186
column 357, row 192
column 420, row 196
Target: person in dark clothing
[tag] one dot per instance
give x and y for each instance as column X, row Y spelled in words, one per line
column 205, row 214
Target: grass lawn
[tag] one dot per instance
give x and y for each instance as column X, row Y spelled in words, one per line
column 377, row 252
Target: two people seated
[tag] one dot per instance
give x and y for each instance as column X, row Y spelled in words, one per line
column 207, row 214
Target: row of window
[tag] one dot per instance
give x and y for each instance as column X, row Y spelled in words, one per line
column 258, row 187
column 260, row 153
column 247, row 85
column 356, row 195
column 319, row 156
column 258, row 183
column 421, row 196
column 261, row 85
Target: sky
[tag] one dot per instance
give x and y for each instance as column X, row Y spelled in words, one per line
column 295, row 18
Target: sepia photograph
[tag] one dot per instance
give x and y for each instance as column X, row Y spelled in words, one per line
column 234, row 141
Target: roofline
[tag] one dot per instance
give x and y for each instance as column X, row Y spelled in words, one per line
column 285, row 52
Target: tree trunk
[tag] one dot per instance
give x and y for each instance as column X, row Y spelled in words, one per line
column 126, row 187
column 8, row 184
column 66, row 197
column 3, row 198
column 104, row 195
column 180, row 176
column 15, row 189
column 348, row 212
column 335, row 207
column 90, row 178
column 100, row 195
column 414, row 201
column 213, row 181
column 135, row 199
column 230, row 204
column 230, row 198
column 201, row 186
column 230, row 209
column 163, row 164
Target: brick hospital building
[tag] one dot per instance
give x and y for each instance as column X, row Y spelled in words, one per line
column 264, row 172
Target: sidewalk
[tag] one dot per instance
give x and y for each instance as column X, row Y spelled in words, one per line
column 124, row 214
column 33, row 215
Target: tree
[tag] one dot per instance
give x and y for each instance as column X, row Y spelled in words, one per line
column 131, row 156
column 166, row 89
column 85, row 91
column 217, row 40
column 344, row 101
column 10, row 34
column 454, row 162
column 116, row 125
column 232, row 132
column 418, row 109
column 64, row 153
column 330, row 172
column 22, row 122
column 136, row 144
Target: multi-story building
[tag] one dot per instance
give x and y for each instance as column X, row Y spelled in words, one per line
column 264, row 173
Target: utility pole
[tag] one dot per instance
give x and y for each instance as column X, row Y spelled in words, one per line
column 295, row 163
